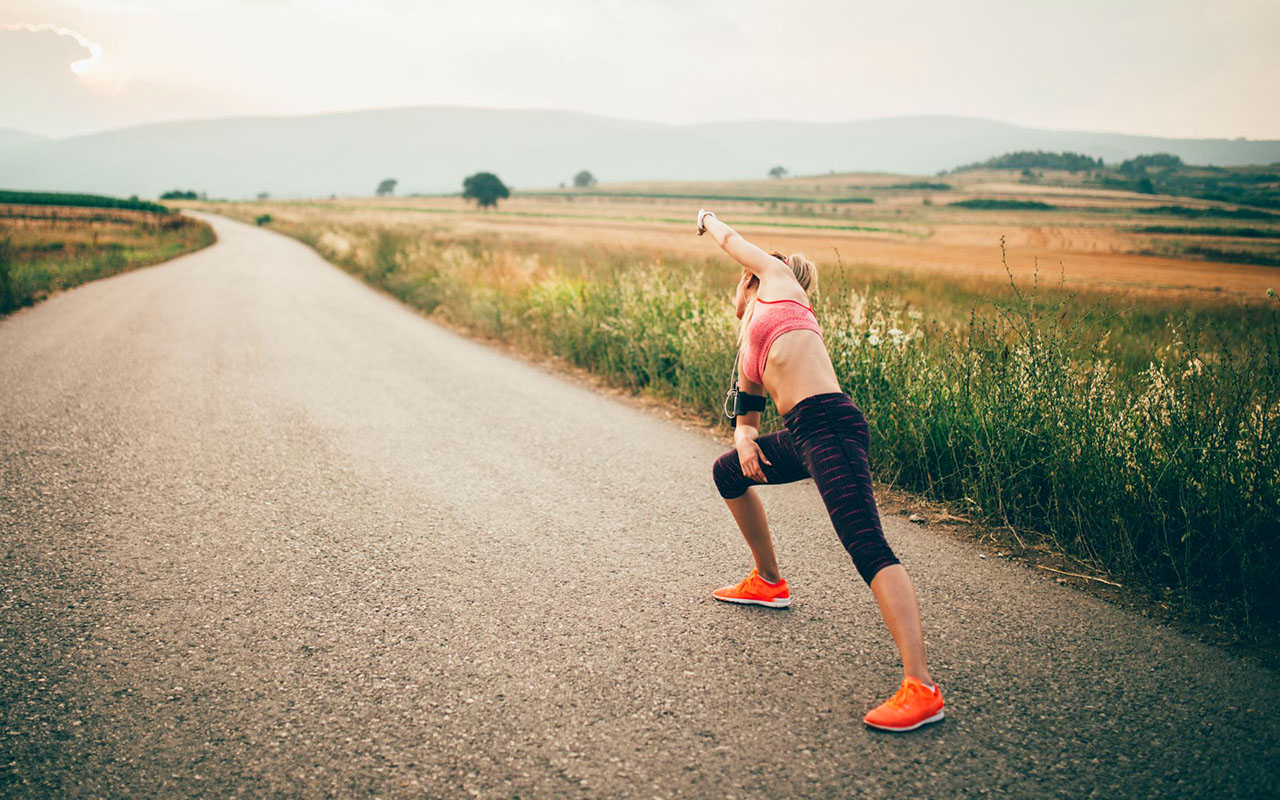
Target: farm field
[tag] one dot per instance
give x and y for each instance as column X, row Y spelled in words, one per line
column 45, row 248
column 1097, row 238
column 1142, row 257
column 1124, row 405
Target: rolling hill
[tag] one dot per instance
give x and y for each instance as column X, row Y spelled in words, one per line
column 11, row 138
column 430, row 149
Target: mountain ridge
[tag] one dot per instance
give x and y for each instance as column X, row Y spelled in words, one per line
column 431, row 148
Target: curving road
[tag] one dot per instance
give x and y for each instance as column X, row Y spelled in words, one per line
column 266, row 532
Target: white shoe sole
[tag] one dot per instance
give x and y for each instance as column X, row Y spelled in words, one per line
column 936, row 717
column 779, row 603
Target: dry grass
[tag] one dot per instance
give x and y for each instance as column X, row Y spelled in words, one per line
column 1092, row 239
column 46, row 249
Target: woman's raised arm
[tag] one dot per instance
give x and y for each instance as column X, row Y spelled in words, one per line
column 755, row 260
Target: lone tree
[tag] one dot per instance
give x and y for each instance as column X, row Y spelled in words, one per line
column 778, row 173
column 388, row 186
column 584, row 180
column 485, row 188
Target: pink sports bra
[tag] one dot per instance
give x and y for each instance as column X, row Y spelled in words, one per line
column 771, row 319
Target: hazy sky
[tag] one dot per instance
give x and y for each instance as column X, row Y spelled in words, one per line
column 1167, row 67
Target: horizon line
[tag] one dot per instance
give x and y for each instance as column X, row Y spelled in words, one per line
column 575, row 112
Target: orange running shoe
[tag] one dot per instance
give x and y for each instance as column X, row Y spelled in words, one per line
column 755, row 590
column 914, row 705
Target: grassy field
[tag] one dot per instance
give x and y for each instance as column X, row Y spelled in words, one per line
column 1126, row 406
column 47, row 248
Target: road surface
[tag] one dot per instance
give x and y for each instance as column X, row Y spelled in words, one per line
column 266, row 532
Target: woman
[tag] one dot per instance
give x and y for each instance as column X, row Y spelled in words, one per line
column 826, row 438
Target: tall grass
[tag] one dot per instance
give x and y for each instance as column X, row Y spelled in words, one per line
column 39, row 257
column 1167, row 474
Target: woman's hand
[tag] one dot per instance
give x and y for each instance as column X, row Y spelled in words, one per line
column 750, row 456
column 702, row 220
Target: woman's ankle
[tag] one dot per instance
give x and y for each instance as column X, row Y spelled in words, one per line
column 774, row 578
column 921, row 675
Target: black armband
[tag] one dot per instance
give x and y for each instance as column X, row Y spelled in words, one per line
column 747, row 403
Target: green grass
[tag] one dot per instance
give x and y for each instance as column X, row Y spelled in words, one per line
column 79, row 201
column 1214, row 212
column 994, row 204
column 1163, row 471
column 1210, row 230
column 933, row 186
column 1232, row 256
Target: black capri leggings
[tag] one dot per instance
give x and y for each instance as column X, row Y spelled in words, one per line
column 826, row 439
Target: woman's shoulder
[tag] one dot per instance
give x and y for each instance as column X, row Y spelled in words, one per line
column 782, row 286
column 784, row 295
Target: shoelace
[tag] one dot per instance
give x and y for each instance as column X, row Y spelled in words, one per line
column 901, row 697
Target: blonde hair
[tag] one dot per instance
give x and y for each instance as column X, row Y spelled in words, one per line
column 805, row 272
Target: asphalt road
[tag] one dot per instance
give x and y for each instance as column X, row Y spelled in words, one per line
column 265, row 532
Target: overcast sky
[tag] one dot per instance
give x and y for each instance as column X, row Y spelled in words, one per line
column 1165, row 67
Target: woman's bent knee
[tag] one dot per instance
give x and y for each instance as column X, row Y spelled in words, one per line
column 727, row 473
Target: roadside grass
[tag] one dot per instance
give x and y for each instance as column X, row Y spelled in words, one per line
column 40, row 255
column 1162, row 468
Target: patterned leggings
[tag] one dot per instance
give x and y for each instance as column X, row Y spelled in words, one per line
column 826, row 439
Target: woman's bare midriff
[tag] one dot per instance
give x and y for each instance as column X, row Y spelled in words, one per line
column 798, row 367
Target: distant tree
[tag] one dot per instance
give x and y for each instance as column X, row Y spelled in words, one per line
column 263, row 219
column 1038, row 159
column 584, row 180
column 264, row 195
column 485, row 188
column 1145, row 186
column 1140, row 164
column 778, row 173
column 387, row 187
column 179, row 194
